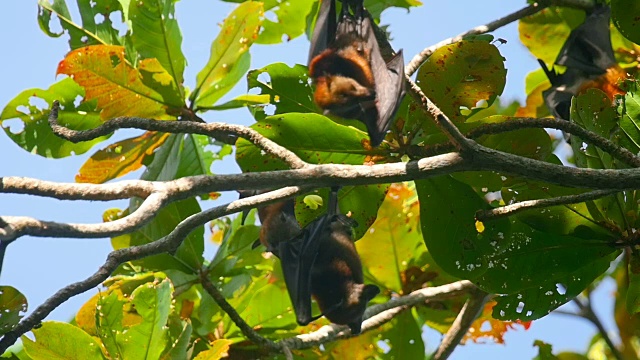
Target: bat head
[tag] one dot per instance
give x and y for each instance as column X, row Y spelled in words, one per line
column 351, row 311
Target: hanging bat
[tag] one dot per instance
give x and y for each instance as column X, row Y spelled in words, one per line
column 588, row 57
column 319, row 261
column 351, row 77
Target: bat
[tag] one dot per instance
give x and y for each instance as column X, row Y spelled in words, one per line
column 588, row 57
column 351, row 77
column 318, row 261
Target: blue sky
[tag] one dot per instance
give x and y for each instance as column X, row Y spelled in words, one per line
column 38, row 266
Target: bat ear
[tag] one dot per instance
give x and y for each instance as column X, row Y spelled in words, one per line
column 244, row 194
column 255, row 243
column 369, row 292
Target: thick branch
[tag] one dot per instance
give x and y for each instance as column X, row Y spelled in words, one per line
column 167, row 244
column 508, row 210
column 378, row 314
column 17, row 226
column 461, row 324
column 190, row 127
column 603, row 143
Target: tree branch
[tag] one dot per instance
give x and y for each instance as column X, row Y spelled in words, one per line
column 166, row 244
column 379, row 314
column 461, row 324
column 421, row 57
column 603, row 143
column 191, row 127
column 508, row 210
column 586, row 312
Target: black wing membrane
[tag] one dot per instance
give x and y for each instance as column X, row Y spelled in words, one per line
column 586, row 54
column 325, row 30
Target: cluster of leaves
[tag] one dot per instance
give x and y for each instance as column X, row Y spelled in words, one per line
column 157, row 308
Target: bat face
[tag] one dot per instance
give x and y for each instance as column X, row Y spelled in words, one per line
column 319, row 261
column 590, row 63
column 352, row 79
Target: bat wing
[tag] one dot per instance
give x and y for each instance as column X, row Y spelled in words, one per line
column 325, row 30
column 588, row 47
column 389, row 85
column 297, row 257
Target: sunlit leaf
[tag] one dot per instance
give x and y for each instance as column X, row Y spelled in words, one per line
column 458, row 76
column 291, row 21
column 120, row 158
column 229, row 59
column 90, row 32
column 58, row 340
column 217, row 350
column 155, row 34
column 545, row 32
column 31, row 107
column 119, row 88
column 148, row 339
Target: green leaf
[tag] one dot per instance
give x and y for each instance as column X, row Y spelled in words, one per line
column 87, row 33
column 58, row 340
column 544, row 351
column 624, row 14
column 36, row 136
column 447, row 213
column 13, row 305
column 458, row 76
column 229, row 58
column 288, row 89
column 196, row 158
column 109, row 323
column 592, row 111
column 242, row 101
column 217, row 351
column 156, row 34
column 179, row 336
column 545, row 32
column 291, row 20
column 148, row 339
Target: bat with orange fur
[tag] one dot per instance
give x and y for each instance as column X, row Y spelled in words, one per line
column 351, row 77
column 319, row 261
column 588, row 57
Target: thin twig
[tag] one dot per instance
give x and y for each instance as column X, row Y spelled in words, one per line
column 190, row 127
column 470, row 311
column 421, row 57
column 235, row 317
column 586, row 312
column 508, row 210
column 444, row 123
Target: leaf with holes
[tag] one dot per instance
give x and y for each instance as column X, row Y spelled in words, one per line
column 13, row 305
column 447, row 214
column 459, row 76
column 90, row 32
column 291, row 21
column 31, row 107
column 119, row 88
column 156, row 34
column 287, row 88
column 229, row 59
column 120, row 158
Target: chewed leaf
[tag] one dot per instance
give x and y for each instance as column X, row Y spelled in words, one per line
column 31, row 108
column 13, row 305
